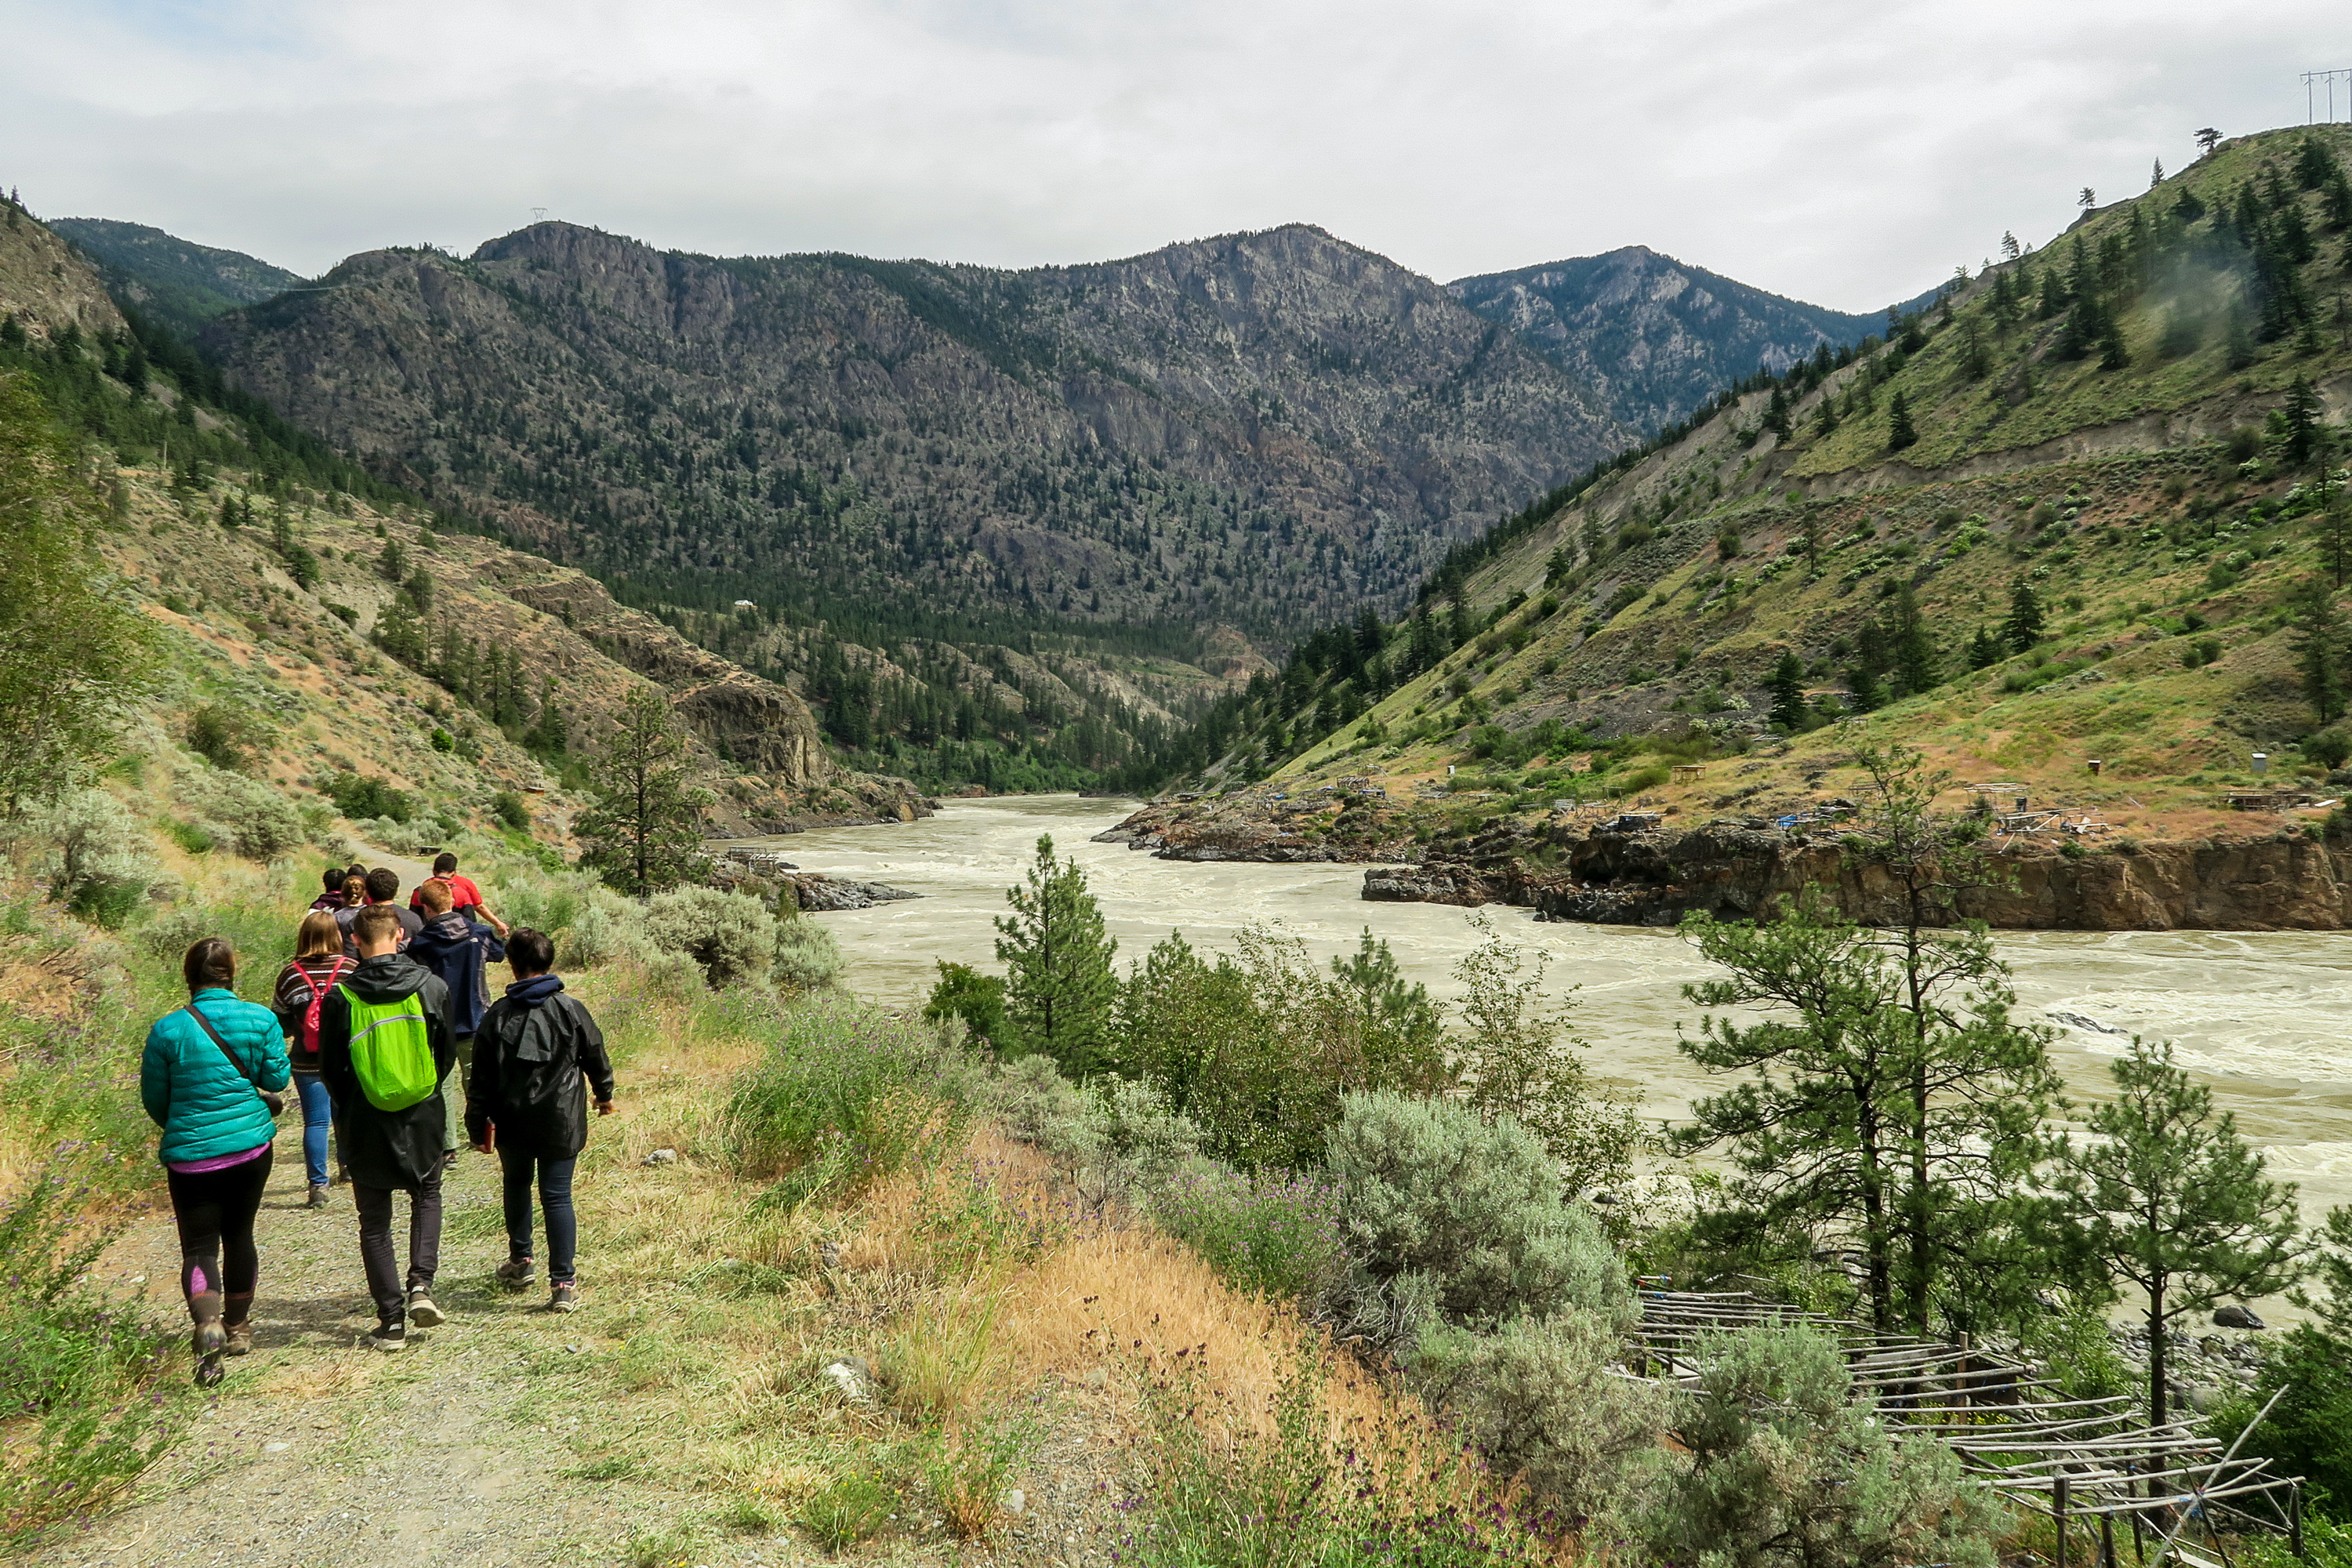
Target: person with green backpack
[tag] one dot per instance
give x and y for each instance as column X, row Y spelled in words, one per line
column 384, row 1045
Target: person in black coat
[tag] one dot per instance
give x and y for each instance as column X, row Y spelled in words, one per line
column 535, row 1056
column 387, row 1152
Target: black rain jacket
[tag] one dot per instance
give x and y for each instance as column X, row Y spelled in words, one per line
column 394, row 1149
column 535, row 1055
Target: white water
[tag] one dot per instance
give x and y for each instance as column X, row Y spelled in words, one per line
column 2261, row 1015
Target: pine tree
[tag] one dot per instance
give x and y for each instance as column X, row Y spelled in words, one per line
column 1985, row 649
column 1911, row 650
column 642, row 830
column 2172, row 1200
column 2332, row 524
column 2303, row 411
column 1899, row 433
column 2023, row 627
column 1788, row 687
column 1058, row 985
column 1867, row 691
column 2319, row 652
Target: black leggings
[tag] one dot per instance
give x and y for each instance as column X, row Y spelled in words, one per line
column 218, row 1265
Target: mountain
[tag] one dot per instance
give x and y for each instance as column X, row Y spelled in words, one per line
column 179, row 282
column 266, row 561
column 1260, row 429
column 2078, row 532
column 1654, row 337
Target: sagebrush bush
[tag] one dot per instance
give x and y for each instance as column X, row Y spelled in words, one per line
column 1780, row 1468
column 244, row 814
column 730, row 935
column 1546, row 1399
column 1426, row 1188
column 95, row 856
column 805, row 956
column 848, row 1093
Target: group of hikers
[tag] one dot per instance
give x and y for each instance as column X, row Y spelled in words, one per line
column 383, row 1024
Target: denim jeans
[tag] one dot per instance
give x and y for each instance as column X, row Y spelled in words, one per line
column 554, row 1196
column 318, row 1117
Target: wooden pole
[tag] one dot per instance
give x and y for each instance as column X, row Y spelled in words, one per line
column 2107, row 1540
column 2294, row 1521
column 2058, row 1511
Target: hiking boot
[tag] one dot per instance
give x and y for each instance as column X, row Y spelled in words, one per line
column 565, row 1296
column 517, row 1274
column 209, row 1341
column 318, row 1195
column 389, row 1337
column 421, row 1312
column 241, row 1339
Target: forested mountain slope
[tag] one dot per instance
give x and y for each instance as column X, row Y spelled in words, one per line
column 179, row 282
column 1655, row 337
column 2089, row 508
column 318, row 629
column 1261, row 429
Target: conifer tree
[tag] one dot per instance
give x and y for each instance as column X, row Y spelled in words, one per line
column 1058, row 985
column 2303, row 411
column 1788, row 687
column 1911, row 650
column 1899, row 433
column 2172, row 1200
column 1985, row 649
column 2319, row 652
column 2023, row 627
column 643, row 831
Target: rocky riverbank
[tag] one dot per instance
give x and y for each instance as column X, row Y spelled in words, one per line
column 1637, row 870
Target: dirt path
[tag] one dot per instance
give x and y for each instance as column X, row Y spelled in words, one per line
column 319, row 1452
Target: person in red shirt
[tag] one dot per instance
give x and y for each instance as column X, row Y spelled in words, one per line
column 465, row 897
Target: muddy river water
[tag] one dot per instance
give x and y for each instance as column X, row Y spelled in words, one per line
column 2263, row 1017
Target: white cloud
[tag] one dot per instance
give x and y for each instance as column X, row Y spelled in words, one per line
column 1847, row 152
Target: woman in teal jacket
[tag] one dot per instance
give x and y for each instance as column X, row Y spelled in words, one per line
column 202, row 1077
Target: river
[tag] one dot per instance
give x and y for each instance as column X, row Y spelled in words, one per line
column 2261, row 1015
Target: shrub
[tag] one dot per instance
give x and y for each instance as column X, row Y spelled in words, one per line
column 805, row 957
column 1426, row 1188
column 2330, row 748
column 977, row 999
column 94, row 857
column 1780, row 1468
column 360, row 798
column 1547, row 1400
column 604, row 927
column 730, row 935
column 244, row 814
column 225, row 737
column 852, row 1091
column 2309, row 1432
column 1270, row 1232
column 511, row 809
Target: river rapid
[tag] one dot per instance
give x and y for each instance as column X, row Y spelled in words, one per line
column 2261, row 1016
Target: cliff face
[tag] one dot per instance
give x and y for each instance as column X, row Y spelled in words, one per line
column 45, row 284
column 2280, row 882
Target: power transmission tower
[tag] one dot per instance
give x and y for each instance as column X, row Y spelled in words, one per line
column 2327, row 86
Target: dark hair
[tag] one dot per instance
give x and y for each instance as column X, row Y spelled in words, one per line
column 332, row 879
column 373, row 923
column 383, row 884
column 443, row 863
column 530, row 952
column 355, row 870
column 211, row 961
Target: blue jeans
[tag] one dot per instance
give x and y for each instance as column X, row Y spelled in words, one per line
column 554, row 1196
column 318, row 1116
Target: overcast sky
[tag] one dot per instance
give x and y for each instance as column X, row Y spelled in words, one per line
column 1845, row 152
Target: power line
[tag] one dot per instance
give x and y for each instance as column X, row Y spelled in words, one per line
column 2327, row 84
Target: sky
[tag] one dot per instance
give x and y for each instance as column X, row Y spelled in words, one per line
column 1848, row 153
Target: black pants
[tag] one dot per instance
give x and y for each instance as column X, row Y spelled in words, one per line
column 374, row 1206
column 218, row 1264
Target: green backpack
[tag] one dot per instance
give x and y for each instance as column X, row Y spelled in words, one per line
column 390, row 1052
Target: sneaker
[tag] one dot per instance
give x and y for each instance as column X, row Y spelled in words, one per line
column 421, row 1312
column 389, row 1336
column 209, row 1341
column 565, row 1297
column 518, row 1273
column 240, row 1340
column 318, row 1195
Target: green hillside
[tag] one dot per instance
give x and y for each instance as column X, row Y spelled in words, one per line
column 2133, row 431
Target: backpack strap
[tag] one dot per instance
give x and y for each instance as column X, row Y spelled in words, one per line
column 318, row 989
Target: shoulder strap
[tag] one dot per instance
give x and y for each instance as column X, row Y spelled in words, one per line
column 318, row 989
column 207, row 1026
